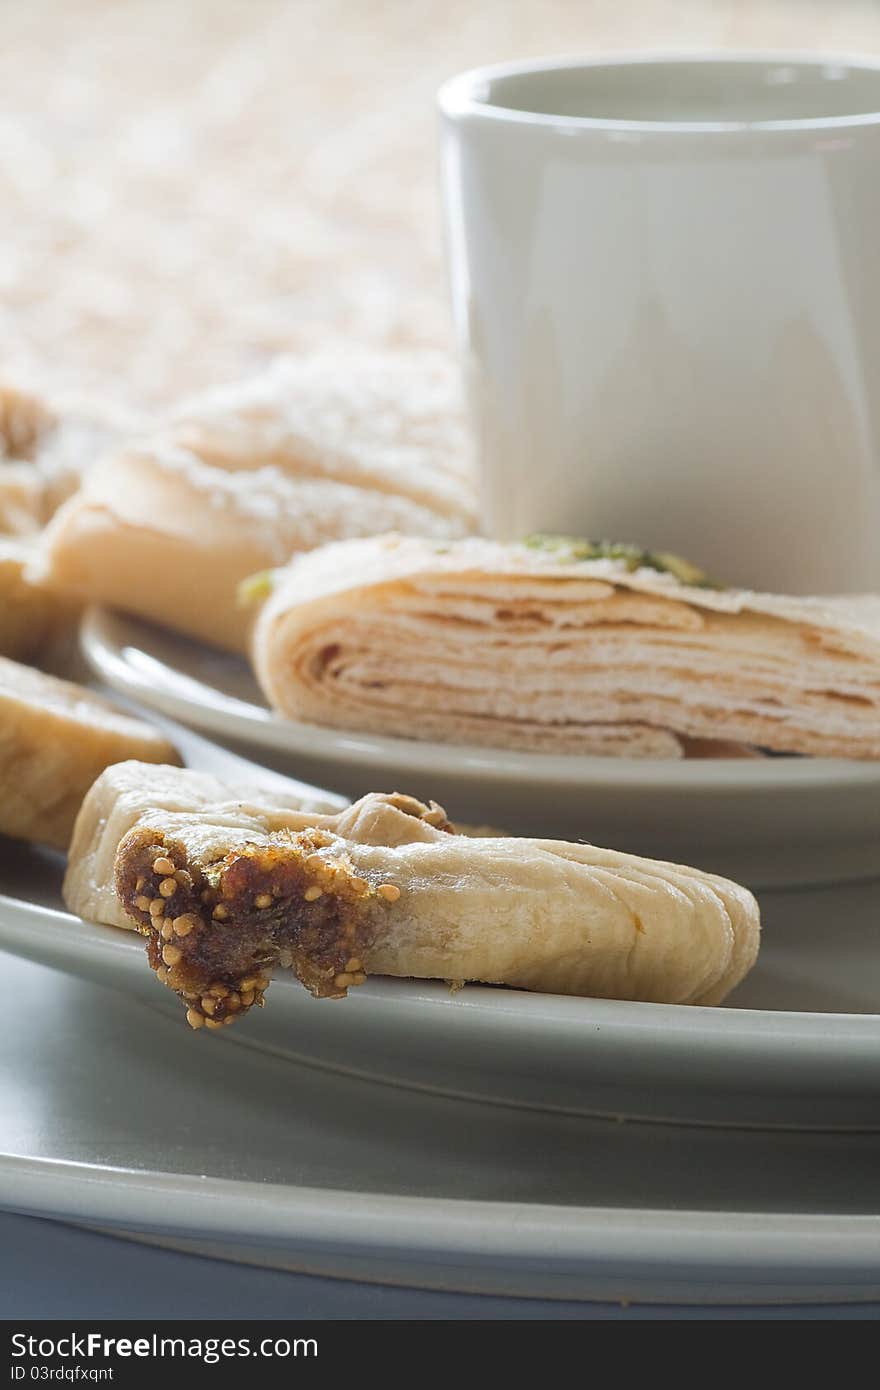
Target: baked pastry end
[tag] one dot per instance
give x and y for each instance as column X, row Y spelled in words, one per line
column 216, row 931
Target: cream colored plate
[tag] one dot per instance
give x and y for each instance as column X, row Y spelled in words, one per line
column 772, row 821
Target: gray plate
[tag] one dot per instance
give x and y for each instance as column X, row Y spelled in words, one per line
column 800, row 1048
column 773, row 1065
column 114, row 1116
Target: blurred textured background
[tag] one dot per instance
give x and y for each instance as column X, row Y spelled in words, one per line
column 189, row 186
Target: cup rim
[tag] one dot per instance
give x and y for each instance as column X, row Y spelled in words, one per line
column 457, row 98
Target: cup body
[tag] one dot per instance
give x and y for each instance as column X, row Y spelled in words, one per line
column 670, row 321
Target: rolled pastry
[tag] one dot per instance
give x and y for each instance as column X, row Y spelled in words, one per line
column 55, row 739
column 387, row 887
column 30, row 618
column 45, row 448
column 241, row 479
column 134, row 793
column 535, row 648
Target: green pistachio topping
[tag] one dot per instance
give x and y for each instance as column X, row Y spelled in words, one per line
column 255, row 589
column 572, row 548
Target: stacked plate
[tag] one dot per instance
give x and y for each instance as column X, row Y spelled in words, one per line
column 487, row 1139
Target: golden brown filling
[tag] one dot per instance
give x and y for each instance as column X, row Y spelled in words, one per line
column 217, row 930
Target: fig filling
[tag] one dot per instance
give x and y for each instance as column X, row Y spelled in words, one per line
column 216, row 931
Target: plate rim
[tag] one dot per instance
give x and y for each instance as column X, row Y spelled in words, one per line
column 785, row 1030
column 396, row 1224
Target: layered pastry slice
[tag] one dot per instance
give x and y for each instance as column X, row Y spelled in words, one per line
column 567, row 647
column 55, row 739
column 170, row 524
column 226, row 894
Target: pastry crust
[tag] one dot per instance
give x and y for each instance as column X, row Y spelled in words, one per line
column 241, row 479
column 476, row 642
column 132, row 794
column 30, row 618
column 45, row 448
column 388, row 887
column 55, row 739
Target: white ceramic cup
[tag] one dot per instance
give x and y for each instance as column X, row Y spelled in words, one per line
column 666, row 282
